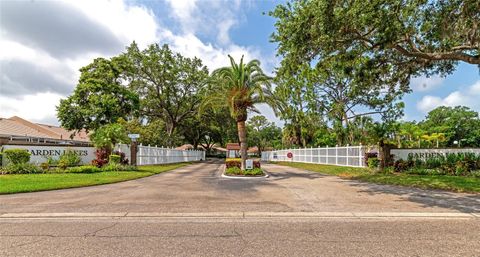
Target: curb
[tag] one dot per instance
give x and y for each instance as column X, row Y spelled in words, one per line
column 242, row 215
column 244, row 177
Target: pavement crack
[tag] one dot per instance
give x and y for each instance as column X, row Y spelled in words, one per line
column 94, row 233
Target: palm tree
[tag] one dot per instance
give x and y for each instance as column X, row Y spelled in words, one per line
column 239, row 87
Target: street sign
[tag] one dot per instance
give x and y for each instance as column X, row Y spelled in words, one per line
column 249, row 164
column 290, row 155
column 134, row 136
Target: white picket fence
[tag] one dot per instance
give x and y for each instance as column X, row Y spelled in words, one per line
column 149, row 155
column 339, row 155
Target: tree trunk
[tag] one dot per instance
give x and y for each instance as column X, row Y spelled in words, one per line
column 381, row 154
column 242, row 135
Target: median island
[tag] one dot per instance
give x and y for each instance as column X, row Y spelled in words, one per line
column 233, row 169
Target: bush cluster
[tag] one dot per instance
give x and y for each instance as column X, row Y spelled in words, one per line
column 68, row 162
column 69, row 159
column 237, row 162
column 237, row 171
column 368, row 156
column 21, row 168
column 17, row 162
column 451, row 164
column 16, row 156
column 101, row 157
column 373, row 162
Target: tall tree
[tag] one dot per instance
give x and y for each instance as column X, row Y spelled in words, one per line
column 344, row 91
column 458, row 123
column 100, row 98
column 399, row 38
column 239, row 87
column 263, row 133
column 168, row 84
column 292, row 102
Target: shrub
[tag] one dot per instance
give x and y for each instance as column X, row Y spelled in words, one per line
column 123, row 159
column 69, row 158
column 373, row 162
column 21, row 168
column 62, row 165
column 113, row 158
column 401, row 165
column 433, row 163
column 237, row 162
column 233, row 171
column 83, row 169
column 17, row 156
column 45, row 166
column 238, row 171
column 253, row 172
column 101, row 157
column 118, row 167
column 52, row 161
column 233, row 163
column 369, row 155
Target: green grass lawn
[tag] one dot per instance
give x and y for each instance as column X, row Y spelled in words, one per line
column 452, row 183
column 19, row 183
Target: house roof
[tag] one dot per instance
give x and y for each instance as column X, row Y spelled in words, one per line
column 189, row 147
column 16, row 126
column 233, row 146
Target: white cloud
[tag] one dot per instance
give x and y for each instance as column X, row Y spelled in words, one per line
column 39, row 107
column 56, row 69
column 468, row 97
column 423, row 84
column 37, row 69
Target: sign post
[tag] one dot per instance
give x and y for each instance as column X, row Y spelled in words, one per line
column 133, row 148
column 290, row 156
column 249, row 164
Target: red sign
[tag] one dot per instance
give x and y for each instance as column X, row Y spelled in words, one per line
column 290, row 155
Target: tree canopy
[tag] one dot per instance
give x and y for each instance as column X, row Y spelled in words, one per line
column 101, row 96
column 398, row 38
column 167, row 83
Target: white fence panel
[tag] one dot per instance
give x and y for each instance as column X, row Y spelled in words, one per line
column 150, row 155
column 341, row 156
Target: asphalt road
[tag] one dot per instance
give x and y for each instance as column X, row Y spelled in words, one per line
column 240, row 237
column 192, row 211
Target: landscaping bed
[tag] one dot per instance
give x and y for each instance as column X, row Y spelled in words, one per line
column 18, row 183
column 67, row 171
column 232, row 168
column 469, row 183
column 235, row 171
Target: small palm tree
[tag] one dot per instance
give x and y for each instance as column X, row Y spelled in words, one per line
column 239, row 87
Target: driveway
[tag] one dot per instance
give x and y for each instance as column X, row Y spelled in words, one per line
column 198, row 188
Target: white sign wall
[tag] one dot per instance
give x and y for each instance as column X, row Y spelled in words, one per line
column 39, row 154
column 429, row 153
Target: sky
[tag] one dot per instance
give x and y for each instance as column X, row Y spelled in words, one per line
column 43, row 44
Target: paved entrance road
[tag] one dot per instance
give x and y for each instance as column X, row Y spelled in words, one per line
column 199, row 188
column 239, row 237
column 192, row 211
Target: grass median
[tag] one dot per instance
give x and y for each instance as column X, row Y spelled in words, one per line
column 451, row 183
column 20, row 183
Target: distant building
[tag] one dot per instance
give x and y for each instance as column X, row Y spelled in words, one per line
column 215, row 149
column 233, row 150
column 16, row 130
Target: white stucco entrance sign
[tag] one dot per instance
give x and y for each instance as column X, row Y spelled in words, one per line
column 429, row 153
column 39, row 153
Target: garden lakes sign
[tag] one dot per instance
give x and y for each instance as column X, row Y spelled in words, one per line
column 429, row 153
column 40, row 153
column 44, row 152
